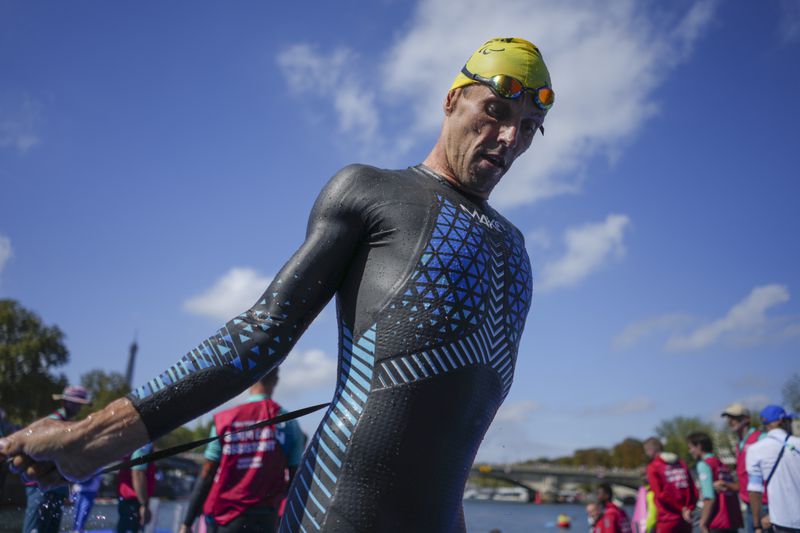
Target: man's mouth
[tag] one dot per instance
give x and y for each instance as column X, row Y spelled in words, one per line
column 496, row 160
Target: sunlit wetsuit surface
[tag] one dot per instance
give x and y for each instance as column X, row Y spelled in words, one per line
column 433, row 288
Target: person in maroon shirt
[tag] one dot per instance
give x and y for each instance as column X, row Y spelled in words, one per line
column 612, row 519
column 674, row 490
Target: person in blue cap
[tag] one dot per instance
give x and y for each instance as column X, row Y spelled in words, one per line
column 773, row 465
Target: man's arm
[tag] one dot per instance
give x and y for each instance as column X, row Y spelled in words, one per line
column 139, row 481
column 199, row 494
column 755, row 485
column 705, row 476
column 242, row 351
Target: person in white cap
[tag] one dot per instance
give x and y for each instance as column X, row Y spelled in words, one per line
column 738, row 417
column 44, row 507
column 773, row 465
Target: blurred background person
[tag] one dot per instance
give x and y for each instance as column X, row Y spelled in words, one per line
column 674, row 492
column 721, row 512
column 612, row 519
column 739, row 422
column 45, row 507
column 135, row 486
column 246, row 476
column 83, row 495
column 773, row 464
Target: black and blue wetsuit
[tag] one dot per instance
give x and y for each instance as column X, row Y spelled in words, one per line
column 433, row 287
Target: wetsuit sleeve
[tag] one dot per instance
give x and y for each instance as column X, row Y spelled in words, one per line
column 213, row 450
column 258, row 340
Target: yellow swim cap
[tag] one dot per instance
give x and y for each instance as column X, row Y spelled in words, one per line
column 511, row 56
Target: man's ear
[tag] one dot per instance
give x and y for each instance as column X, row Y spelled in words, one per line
column 450, row 100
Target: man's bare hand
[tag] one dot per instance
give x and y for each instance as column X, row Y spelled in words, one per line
column 144, row 515
column 52, row 453
column 720, row 485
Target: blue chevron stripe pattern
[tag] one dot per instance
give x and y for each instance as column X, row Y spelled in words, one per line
column 306, row 508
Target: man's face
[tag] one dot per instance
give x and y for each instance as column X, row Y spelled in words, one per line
column 695, row 451
column 602, row 497
column 650, row 450
column 72, row 408
column 737, row 423
column 593, row 512
column 485, row 133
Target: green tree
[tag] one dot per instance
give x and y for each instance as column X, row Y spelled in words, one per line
column 628, row 454
column 183, row 434
column 791, row 392
column 592, row 457
column 675, row 430
column 105, row 387
column 29, row 351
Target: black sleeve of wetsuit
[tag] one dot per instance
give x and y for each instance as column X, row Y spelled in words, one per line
column 198, row 498
column 257, row 340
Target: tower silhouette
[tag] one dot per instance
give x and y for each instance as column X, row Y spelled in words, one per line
column 131, row 361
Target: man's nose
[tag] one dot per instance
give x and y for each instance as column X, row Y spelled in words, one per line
column 509, row 134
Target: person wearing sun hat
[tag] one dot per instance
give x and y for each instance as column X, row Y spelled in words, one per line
column 45, row 507
column 739, row 422
column 433, row 288
column 773, row 466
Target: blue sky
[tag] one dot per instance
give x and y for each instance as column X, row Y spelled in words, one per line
column 158, row 161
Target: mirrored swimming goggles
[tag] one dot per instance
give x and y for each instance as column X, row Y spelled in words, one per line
column 509, row 87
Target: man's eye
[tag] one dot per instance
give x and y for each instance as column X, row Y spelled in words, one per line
column 529, row 127
column 496, row 110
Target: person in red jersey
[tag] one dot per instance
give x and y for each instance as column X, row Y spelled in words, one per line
column 246, row 475
column 721, row 511
column 611, row 518
column 672, row 485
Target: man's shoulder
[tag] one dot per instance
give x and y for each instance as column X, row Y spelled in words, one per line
column 360, row 173
column 360, row 185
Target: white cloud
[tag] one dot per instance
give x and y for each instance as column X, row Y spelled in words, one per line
column 744, row 319
column 634, row 333
column 539, row 238
column 303, row 371
column 310, row 72
column 588, row 248
column 637, row 404
column 606, row 62
column 233, row 293
column 5, row 251
column 18, row 122
column 516, row 411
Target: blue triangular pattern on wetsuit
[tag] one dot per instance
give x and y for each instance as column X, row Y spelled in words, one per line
column 453, row 264
column 469, row 279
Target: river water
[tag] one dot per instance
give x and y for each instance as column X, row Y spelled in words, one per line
column 481, row 515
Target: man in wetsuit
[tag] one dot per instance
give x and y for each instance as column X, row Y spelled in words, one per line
column 433, row 288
